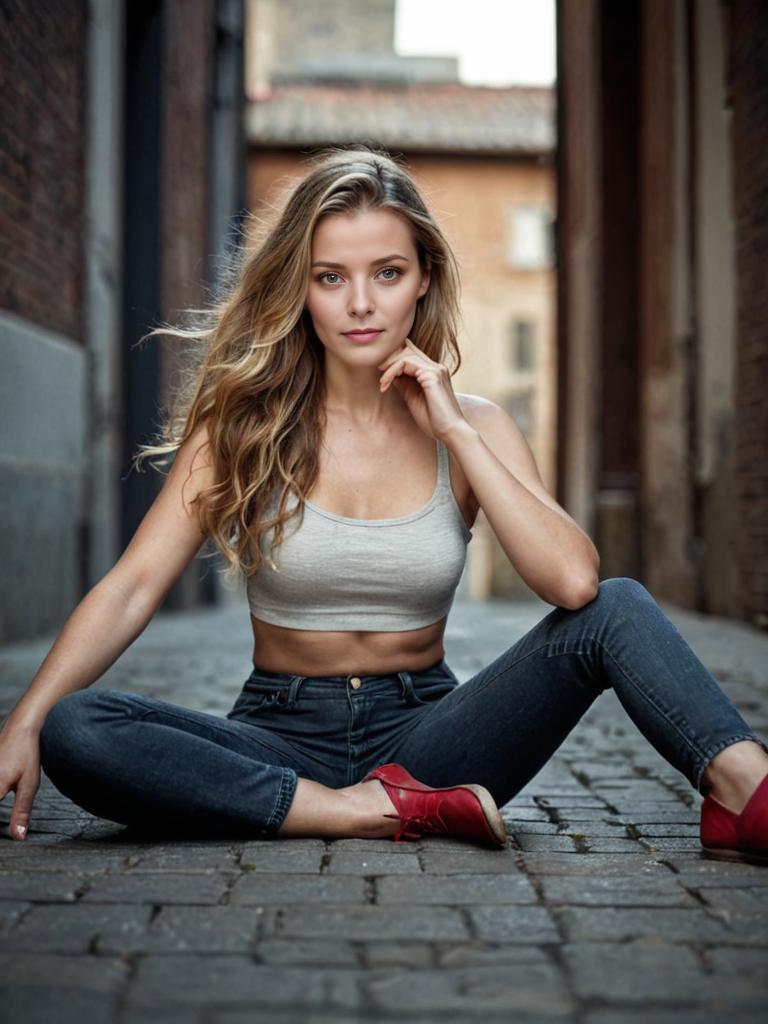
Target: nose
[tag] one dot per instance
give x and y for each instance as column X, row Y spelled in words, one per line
column 360, row 302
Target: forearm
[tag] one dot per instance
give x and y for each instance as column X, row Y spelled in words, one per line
column 551, row 553
column 102, row 626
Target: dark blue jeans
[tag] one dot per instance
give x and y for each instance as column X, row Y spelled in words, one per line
column 142, row 761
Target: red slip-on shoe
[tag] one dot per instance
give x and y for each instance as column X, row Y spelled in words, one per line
column 730, row 836
column 467, row 810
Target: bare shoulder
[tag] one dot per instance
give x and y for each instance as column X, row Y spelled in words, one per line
column 476, row 408
column 508, row 443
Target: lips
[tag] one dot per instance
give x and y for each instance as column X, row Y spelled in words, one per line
column 361, row 335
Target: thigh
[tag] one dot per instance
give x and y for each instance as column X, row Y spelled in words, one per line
column 503, row 724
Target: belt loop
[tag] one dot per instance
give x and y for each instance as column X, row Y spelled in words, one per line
column 406, row 688
column 293, row 690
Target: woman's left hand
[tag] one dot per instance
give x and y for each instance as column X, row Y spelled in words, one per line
column 425, row 386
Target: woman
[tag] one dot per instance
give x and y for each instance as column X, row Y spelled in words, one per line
column 306, row 445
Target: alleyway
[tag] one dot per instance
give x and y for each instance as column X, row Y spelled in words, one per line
column 602, row 910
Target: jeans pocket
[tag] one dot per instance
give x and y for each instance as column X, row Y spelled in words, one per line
column 432, row 691
column 260, row 693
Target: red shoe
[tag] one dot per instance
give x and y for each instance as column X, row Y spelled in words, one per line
column 467, row 810
column 730, row 836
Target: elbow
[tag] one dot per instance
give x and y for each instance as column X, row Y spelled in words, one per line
column 581, row 593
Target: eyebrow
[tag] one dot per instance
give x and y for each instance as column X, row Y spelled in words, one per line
column 340, row 266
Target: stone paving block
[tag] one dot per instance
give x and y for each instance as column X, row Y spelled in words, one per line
column 163, row 887
column 562, row 843
column 619, row 924
column 31, row 857
column 672, row 844
column 372, row 923
column 574, row 801
column 220, row 981
column 731, row 961
column 588, row 829
column 647, row 789
column 41, row 886
column 297, row 951
column 374, row 846
column 618, row 890
column 592, row 864
column 57, row 928
column 478, row 860
column 614, row 844
column 518, row 989
column 412, row 955
column 34, row 1005
column 639, row 810
column 513, row 924
column 455, row 889
column 282, row 859
column 579, row 814
column 680, row 1015
column 635, row 972
column 617, row 769
column 63, row 971
column 192, row 930
column 362, row 863
column 753, row 900
column 670, row 829
column 10, row 912
column 698, row 871
column 179, row 858
column 253, row 888
column 466, row 954
column 521, row 813
column 683, row 816
column 533, row 828
column 163, row 1015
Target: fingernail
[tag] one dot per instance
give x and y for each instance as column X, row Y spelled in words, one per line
column 21, row 830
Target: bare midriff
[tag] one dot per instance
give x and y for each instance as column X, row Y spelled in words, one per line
column 319, row 653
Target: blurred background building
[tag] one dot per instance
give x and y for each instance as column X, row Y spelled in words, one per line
column 663, row 294
column 611, row 232
column 122, row 176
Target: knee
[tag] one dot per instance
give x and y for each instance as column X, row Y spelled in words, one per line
column 621, row 591
column 67, row 728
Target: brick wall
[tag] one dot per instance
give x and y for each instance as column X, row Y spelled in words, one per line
column 748, row 77
column 42, row 133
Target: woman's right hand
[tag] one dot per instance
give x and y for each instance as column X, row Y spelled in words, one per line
column 20, row 771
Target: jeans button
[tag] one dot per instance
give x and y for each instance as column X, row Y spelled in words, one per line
column 356, row 682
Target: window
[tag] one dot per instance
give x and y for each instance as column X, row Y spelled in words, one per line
column 530, row 238
column 523, row 345
column 520, row 406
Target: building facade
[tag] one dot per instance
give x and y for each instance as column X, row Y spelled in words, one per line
column 662, row 326
column 122, row 137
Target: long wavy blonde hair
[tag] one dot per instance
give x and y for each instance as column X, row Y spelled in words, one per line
column 255, row 375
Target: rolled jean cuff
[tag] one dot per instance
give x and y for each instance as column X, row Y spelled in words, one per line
column 714, row 751
column 288, row 782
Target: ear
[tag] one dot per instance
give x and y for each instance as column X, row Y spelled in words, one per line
column 425, row 279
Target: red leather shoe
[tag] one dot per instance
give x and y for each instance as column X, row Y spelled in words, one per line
column 467, row 810
column 730, row 836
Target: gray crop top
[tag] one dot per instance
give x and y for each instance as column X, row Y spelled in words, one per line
column 337, row 573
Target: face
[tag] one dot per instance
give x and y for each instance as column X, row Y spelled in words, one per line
column 364, row 274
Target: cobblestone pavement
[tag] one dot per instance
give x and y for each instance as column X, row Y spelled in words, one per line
column 602, row 910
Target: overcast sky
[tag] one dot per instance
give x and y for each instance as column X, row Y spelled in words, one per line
column 498, row 42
